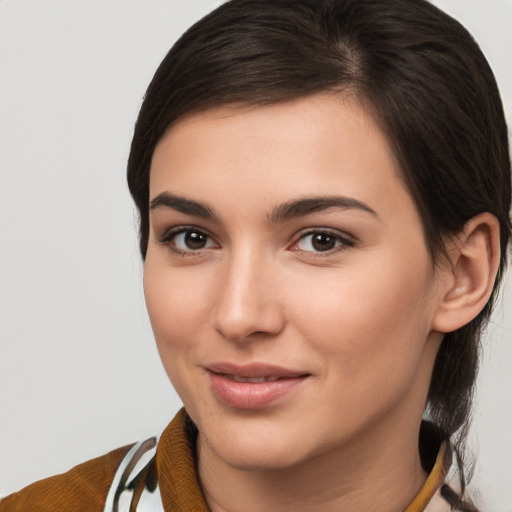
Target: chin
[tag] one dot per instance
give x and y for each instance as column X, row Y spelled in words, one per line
column 255, row 455
column 257, row 444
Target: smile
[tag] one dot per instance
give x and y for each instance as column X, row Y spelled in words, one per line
column 252, row 386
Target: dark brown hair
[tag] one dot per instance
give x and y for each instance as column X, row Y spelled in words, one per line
column 419, row 73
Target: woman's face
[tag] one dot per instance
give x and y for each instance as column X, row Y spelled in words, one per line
column 287, row 280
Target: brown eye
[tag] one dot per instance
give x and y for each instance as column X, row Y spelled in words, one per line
column 322, row 242
column 195, row 240
column 188, row 240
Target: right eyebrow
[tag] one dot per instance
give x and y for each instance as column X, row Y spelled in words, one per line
column 183, row 205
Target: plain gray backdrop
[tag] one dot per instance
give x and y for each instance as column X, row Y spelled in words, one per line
column 79, row 373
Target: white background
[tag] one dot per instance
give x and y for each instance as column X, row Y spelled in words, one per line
column 79, row 373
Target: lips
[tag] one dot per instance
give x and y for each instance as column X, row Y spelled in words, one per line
column 252, row 386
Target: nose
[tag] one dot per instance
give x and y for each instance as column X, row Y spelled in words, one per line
column 248, row 304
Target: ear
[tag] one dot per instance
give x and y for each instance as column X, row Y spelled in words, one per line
column 467, row 279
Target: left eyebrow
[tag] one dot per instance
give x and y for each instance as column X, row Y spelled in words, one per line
column 307, row 205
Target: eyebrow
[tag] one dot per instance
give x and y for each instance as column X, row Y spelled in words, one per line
column 308, row 205
column 285, row 211
column 183, row 205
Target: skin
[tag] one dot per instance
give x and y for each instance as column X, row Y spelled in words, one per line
column 359, row 318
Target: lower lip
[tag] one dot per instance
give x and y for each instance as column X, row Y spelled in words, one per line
column 251, row 395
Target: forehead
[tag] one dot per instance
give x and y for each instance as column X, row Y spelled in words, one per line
column 318, row 142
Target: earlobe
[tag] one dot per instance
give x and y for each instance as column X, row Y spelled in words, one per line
column 469, row 275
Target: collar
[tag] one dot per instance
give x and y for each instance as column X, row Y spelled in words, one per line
column 429, row 496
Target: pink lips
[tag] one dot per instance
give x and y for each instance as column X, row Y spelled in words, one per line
column 252, row 386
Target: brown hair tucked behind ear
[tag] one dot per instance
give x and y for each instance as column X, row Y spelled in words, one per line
column 418, row 72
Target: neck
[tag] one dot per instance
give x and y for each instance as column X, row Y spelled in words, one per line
column 382, row 475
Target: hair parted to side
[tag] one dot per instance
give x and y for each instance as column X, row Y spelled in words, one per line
column 420, row 75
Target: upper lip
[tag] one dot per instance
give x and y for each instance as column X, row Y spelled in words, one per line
column 254, row 370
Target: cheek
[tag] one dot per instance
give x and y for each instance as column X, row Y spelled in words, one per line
column 174, row 308
column 378, row 319
column 371, row 334
column 177, row 315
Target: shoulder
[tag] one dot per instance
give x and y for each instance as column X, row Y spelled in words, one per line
column 82, row 489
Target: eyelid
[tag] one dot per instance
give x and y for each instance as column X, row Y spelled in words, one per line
column 347, row 241
column 169, row 234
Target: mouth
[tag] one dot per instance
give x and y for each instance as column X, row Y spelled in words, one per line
column 253, row 386
column 255, row 370
column 254, row 380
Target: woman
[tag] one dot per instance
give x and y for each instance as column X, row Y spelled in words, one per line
column 323, row 194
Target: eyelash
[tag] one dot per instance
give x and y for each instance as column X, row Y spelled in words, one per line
column 169, row 239
column 344, row 242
